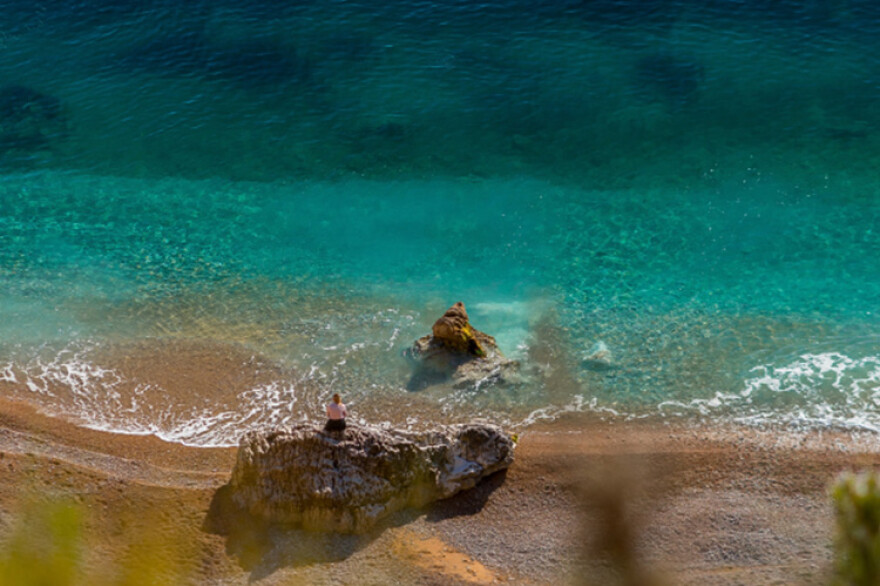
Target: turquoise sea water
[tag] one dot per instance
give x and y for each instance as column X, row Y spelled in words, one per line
column 213, row 216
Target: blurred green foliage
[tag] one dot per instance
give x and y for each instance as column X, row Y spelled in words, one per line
column 857, row 543
column 44, row 547
column 47, row 544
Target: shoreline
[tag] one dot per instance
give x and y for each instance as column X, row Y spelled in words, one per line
column 708, row 505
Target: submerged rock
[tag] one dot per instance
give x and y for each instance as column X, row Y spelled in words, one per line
column 673, row 79
column 599, row 357
column 248, row 62
column 457, row 351
column 347, row 481
column 29, row 120
column 454, row 331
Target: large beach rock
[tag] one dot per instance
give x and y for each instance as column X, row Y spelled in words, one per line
column 457, row 351
column 347, row 481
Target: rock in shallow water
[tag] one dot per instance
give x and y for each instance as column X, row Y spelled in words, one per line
column 599, row 357
column 454, row 331
column 347, row 481
column 457, row 351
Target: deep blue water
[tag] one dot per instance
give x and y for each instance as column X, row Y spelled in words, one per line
column 275, row 199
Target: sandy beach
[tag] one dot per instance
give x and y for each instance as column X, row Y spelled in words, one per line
column 703, row 506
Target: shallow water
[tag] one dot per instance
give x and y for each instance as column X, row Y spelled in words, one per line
column 237, row 209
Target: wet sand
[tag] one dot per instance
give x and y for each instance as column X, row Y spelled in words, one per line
column 705, row 506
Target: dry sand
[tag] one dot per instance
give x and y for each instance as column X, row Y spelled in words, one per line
column 705, row 506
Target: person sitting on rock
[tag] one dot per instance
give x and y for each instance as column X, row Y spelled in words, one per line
column 336, row 413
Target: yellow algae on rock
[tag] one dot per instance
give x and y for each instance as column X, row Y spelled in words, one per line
column 455, row 332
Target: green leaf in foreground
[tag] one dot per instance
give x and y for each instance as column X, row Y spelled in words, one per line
column 857, row 544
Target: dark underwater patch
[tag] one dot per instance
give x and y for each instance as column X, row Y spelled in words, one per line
column 671, row 79
column 249, row 62
column 29, row 120
column 257, row 62
column 182, row 54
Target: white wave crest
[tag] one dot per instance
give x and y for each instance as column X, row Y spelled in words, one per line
column 7, row 374
column 818, row 374
column 69, row 370
column 257, row 408
column 827, row 389
column 100, row 398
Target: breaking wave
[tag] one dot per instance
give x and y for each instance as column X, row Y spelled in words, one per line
column 821, row 390
column 102, row 398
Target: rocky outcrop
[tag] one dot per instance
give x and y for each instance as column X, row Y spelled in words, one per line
column 347, row 481
column 457, row 351
column 454, row 332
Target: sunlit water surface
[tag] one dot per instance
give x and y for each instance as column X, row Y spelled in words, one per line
column 215, row 216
